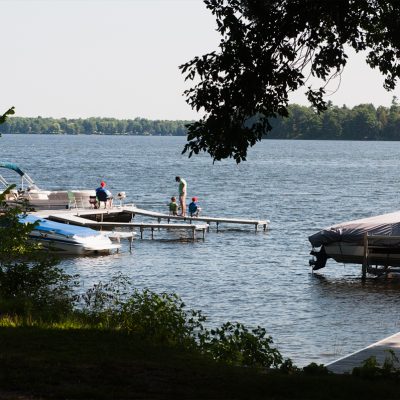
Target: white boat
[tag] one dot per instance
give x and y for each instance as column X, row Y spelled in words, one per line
column 69, row 239
column 377, row 238
column 40, row 199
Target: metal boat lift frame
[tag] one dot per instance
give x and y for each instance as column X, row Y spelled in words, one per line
column 370, row 246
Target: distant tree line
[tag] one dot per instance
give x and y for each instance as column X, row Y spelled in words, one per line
column 93, row 126
column 362, row 122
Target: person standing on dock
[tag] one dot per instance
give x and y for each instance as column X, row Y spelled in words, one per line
column 182, row 194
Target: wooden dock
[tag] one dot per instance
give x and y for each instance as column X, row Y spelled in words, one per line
column 76, row 217
column 379, row 350
column 133, row 210
column 207, row 220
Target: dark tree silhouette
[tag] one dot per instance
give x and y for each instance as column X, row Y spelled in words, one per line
column 266, row 48
column 3, row 117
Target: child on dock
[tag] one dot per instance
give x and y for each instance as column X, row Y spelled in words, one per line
column 173, row 206
column 194, row 208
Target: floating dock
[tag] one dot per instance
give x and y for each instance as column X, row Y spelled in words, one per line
column 380, row 350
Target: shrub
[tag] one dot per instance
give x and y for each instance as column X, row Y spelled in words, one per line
column 372, row 369
column 164, row 319
column 237, row 345
column 31, row 284
column 161, row 317
column 37, row 289
column 315, row 369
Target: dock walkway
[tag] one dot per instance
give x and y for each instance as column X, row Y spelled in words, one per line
column 208, row 220
column 379, row 350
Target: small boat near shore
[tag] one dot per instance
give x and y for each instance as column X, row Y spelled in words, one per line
column 39, row 199
column 374, row 240
column 69, row 239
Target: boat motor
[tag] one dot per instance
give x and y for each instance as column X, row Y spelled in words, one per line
column 320, row 259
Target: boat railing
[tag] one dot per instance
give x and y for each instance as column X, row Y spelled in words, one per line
column 4, row 182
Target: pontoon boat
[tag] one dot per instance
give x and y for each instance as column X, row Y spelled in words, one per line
column 40, row 199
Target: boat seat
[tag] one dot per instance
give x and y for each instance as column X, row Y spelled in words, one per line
column 71, row 200
column 93, row 201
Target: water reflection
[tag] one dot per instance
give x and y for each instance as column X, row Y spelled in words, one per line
column 351, row 284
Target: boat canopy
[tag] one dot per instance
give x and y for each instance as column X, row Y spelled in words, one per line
column 45, row 225
column 354, row 231
column 12, row 166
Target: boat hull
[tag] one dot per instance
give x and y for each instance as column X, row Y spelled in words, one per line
column 353, row 253
column 74, row 246
column 69, row 239
column 350, row 253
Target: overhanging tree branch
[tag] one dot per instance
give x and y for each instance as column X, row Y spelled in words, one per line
column 9, row 112
column 266, row 48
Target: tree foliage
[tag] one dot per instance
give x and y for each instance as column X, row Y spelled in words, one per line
column 9, row 112
column 94, row 126
column 362, row 122
column 267, row 49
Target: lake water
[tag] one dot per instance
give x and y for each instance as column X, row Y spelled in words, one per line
column 236, row 274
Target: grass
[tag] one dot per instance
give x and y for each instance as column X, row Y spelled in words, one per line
column 97, row 364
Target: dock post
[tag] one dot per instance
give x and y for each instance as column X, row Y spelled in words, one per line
column 265, row 227
column 152, row 233
column 204, row 233
column 194, row 233
column 130, row 242
column 365, row 258
column 217, row 226
column 141, row 232
column 256, row 225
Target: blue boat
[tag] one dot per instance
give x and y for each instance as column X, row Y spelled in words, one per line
column 69, row 239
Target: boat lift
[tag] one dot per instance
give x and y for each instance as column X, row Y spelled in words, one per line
column 382, row 246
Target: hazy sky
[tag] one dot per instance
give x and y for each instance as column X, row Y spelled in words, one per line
column 120, row 59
